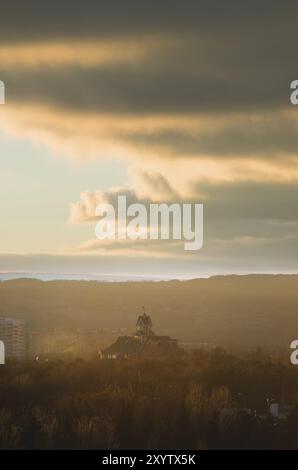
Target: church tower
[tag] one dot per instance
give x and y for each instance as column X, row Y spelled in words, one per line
column 144, row 325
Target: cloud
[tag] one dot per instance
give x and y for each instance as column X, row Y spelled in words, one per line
column 251, row 219
column 259, row 148
column 263, row 135
column 136, row 16
column 166, row 82
column 160, row 249
column 60, row 54
column 84, row 210
column 194, row 97
column 175, row 79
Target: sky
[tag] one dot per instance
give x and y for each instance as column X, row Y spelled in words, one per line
column 168, row 102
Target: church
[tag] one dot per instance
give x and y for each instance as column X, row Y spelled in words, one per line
column 144, row 343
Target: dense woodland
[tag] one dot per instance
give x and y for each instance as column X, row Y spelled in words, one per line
column 200, row 400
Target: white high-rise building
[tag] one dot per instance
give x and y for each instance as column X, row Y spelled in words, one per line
column 13, row 335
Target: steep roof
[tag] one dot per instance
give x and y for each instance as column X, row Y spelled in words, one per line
column 128, row 345
column 124, row 345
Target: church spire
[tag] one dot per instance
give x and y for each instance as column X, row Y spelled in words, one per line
column 144, row 324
